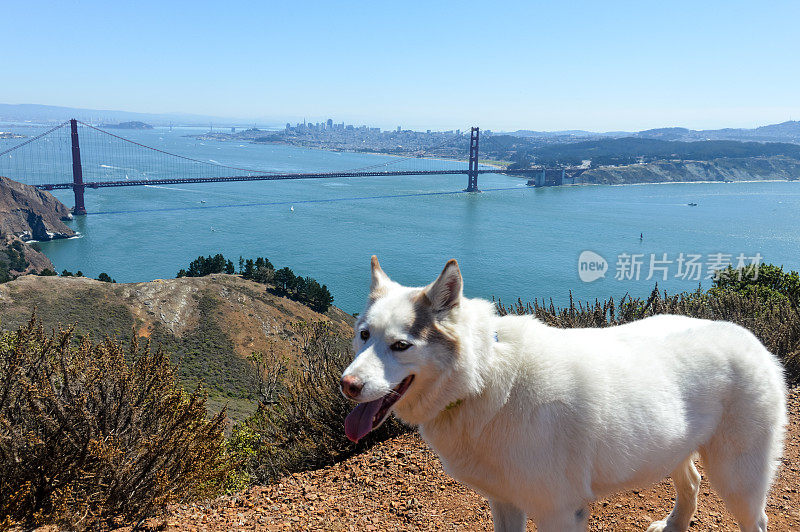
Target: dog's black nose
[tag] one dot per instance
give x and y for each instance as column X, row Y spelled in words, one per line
column 351, row 386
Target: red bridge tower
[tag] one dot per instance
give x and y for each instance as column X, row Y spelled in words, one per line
column 77, row 170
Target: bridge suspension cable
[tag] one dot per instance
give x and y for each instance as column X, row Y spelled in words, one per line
column 33, row 139
column 163, row 152
column 105, row 159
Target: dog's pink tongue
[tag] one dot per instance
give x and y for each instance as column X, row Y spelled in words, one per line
column 359, row 421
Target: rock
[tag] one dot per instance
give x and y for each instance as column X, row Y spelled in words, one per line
column 31, row 214
column 38, row 229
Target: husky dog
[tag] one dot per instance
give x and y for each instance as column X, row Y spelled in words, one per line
column 543, row 421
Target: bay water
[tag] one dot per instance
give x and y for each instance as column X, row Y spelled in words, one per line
column 512, row 241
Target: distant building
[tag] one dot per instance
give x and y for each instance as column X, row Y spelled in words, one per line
column 399, row 129
column 330, row 123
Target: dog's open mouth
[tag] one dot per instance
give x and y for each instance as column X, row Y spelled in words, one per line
column 369, row 416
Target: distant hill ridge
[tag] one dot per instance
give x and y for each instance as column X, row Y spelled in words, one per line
column 784, row 132
column 53, row 113
column 788, row 131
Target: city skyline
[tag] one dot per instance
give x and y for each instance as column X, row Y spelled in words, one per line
column 613, row 67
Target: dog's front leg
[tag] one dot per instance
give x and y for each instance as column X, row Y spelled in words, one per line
column 566, row 521
column 507, row 517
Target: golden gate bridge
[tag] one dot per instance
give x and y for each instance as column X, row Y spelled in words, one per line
column 75, row 155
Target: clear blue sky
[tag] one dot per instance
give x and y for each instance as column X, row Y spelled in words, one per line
column 434, row 64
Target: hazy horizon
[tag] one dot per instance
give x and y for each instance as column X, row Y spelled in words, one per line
column 200, row 120
column 616, row 66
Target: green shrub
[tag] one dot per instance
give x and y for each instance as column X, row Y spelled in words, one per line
column 92, row 436
column 104, row 277
column 12, row 260
column 5, row 274
column 768, row 281
column 299, row 423
column 203, row 266
column 16, row 256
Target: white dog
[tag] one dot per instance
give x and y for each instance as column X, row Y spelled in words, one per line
column 543, row 421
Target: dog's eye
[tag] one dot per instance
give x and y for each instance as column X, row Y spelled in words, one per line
column 400, row 345
column 364, row 334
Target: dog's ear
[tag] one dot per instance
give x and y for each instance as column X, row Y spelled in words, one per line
column 445, row 292
column 379, row 277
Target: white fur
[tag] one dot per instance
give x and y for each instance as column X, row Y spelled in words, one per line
column 551, row 419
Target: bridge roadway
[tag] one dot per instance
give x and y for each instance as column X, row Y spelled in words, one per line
column 261, row 177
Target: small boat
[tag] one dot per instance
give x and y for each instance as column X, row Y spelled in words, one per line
column 692, row 204
column 202, row 201
column 291, row 209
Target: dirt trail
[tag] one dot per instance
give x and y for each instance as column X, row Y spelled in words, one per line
column 400, row 485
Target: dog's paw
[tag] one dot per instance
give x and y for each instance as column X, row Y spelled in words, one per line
column 659, row 526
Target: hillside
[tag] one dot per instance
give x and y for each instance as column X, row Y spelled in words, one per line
column 726, row 169
column 30, row 213
column 209, row 324
column 18, row 258
column 631, row 150
column 654, row 160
